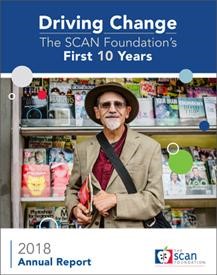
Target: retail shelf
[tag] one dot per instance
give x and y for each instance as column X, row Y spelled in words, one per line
column 195, row 203
column 41, row 199
column 163, row 130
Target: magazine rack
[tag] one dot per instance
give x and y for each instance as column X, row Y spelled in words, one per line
column 184, row 135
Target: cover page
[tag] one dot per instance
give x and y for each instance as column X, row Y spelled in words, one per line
column 141, row 72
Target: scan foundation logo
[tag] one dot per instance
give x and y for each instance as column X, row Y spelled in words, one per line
column 164, row 256
column 178, row 257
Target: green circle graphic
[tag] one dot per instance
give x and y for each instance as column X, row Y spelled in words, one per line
column 181, row 163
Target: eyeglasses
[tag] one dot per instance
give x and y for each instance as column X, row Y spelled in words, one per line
column 107, row 105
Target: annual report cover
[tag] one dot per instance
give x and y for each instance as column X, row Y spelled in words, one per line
column 53, row 173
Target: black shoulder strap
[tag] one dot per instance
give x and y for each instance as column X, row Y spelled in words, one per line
column 127, row 180
column 117, row 163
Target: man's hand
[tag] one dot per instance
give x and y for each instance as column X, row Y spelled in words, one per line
column 82, row 214
column 104, row 201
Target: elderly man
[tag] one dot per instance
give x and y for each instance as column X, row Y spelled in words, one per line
column 113, row 106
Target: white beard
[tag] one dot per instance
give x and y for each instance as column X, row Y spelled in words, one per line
column 112, row 124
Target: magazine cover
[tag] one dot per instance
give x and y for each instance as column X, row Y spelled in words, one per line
column 61, row 216
column 40, row 142
column 210, row 104
column 174, row 184
column 147, row 88
column 203, row 154
column 184, row 218
column 201, row 92
column 34, row 156
column 191, row 109
column 212, row 169
column 35, row 215
column 166, row 111
column 35, row 180
column 134, row 87
column 197, row 180
column 59, row 178
column 61, row 109
column 146, row 113
column 60, row 155
column 34, row 108
column 80, row 91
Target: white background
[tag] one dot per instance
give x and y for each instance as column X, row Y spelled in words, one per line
column 112, row 251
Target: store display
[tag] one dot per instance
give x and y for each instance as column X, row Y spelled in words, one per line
column 67, row 101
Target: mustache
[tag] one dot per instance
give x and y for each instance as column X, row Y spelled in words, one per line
column 112, row 116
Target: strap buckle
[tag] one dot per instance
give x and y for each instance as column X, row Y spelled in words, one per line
column 151, row 223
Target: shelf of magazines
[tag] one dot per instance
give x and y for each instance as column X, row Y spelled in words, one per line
column 64, row 130
column 207, row 198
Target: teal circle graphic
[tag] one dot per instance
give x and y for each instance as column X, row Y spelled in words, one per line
column 181, row 163
column 186, row 76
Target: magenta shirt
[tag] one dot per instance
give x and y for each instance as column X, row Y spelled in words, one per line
column 103, row 168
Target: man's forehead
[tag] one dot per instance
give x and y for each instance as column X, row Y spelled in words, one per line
column 111, row 95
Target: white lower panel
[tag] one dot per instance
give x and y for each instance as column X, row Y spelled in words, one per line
column 115, row 251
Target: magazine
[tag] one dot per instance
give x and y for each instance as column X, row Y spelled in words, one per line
column 212, row 170
column 80, row 91
column 184, row 217
column 59, row 178
column 147, row 88
column 203, row 154
column 197, row 180
column 85, row 193
column 201, row 92
column 34, row 109
column 210, row 104
column 34, row 156
column 34, row 215
column 133, row 87
column 166, row 111
column 61, row 104
column 174, row 184
column 145, row 116
column 35, row 180
column 60, row 155
column 191, row 110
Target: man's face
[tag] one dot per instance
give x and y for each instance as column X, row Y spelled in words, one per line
column 112, row 110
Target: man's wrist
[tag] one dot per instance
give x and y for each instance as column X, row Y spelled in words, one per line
column 72, row 213
column 115, row 199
